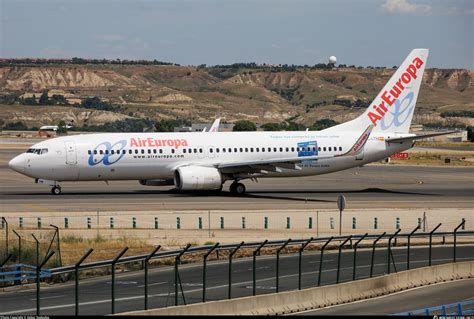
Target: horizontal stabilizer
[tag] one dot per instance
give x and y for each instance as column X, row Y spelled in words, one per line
column 416, row 137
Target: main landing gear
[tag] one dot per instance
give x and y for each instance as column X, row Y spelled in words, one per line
column 56, row 190
column 237, row 188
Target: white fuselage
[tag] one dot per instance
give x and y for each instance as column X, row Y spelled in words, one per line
column 149, row 156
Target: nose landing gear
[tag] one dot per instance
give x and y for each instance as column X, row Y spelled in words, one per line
column 237, row 188
column 56, row 190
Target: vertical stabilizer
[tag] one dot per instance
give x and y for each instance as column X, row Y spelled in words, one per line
column 392, row 109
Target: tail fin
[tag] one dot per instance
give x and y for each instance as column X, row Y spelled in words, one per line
column 392, row 109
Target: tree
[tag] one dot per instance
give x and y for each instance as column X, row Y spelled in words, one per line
column 244, row 125
column 44, row 98
column 62, row 129
column 322, row 124
column 470, row 134
column 272, row 127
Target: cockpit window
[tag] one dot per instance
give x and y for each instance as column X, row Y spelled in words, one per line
column 37, row 151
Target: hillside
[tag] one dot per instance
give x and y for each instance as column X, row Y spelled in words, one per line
column 262, row 95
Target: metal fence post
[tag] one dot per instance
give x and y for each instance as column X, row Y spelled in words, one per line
column 6, row 234
column 408, row 245
column 455, row 231
column 176, row 262
column 255, row 252
column 19, row 246
column 37, row 248
column 113, row 276
column 278, row 264
column 339, row 257
column 431, row 238
column 373, row 253
column 59, row 244
column 389, row 250
column 38, row 272
column 300, row 253
column 146, row 274
column 321, row 260
column 355, row 256
column 204, row 267
column 230, row 267
column 76, row 278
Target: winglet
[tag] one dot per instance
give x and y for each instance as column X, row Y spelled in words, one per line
column 360, row 143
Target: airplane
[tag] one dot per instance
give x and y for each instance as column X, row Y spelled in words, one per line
column 214, row 127
column 199, row 162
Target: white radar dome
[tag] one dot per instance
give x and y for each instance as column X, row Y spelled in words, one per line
column 332, row 60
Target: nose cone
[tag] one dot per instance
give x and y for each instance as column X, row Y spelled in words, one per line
column 17, row 164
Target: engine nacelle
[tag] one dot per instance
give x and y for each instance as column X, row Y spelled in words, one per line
column 156, row 182
column 197, row 178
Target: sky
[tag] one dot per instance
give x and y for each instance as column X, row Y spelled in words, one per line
column 362, row 32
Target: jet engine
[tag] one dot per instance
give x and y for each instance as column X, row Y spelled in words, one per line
column 197, row 178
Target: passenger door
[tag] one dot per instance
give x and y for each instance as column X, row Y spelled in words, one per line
column 71, row 154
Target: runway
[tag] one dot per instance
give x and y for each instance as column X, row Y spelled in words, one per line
column 95, row 293
column 371, row 186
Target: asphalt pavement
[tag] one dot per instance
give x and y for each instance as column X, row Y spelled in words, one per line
column 95, row 294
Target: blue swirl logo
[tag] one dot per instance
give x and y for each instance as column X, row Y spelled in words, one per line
column 400, row 115
column 102, row 153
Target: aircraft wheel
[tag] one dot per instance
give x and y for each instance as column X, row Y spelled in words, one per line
column 56, row 190
column 239, row 189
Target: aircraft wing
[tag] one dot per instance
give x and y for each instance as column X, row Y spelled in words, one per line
column 416, row 137
column 292, row 162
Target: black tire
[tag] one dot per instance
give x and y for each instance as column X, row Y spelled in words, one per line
column 232, row 188
column 56, row 190
column 239, row 189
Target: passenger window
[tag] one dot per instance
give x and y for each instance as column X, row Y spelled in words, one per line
column 195, row 150
column 95, row 152
column 210, row 150
column 217, row 150
column 324, row 148
column 172, row 151
column 143, row 151
column 246, row 150
column 101, row 152
column 161, row 151
column 129, row 151
column 263, row 149
column 257, row 149
column 112, row 152
column 330, row 149
column 106, row 151
column 200, row 150
column 319, row 148
column 89, row 152
column 251, row 149
column 230, row 150
column 149, row 151
column 275, row 149
column 287, row 149
column 269, row 149
column 292, row 149
column 297, row 149
column 340, row 148
column 184, row 150
column 223, row 149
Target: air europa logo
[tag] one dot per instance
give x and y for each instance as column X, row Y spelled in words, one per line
column 154, row 142
column 389, row 97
